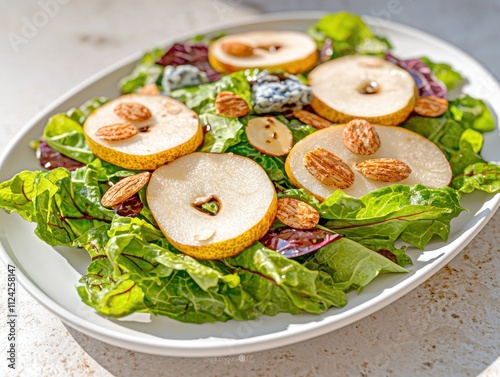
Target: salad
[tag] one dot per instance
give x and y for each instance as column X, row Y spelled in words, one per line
column 349, row 239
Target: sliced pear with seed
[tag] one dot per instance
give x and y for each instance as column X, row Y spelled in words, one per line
column 246, row 203
column 161, row 134
column 362, row 87
column 428, row 165
column 269, row 136
column 291, row 51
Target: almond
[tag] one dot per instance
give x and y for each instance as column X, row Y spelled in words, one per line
column 360, row 137
column 328, row 168
column 237, row 49
column 230, row 105
column 429, row 106
column 149, row 90
column 384, row 169
column 297, row 214
column 311, row 119
column 124, row 189
column 115, row 132
column 132, row 111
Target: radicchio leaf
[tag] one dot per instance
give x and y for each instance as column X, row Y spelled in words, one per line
column 194, row 54
column 427, row 83
column 50, row 158
column 292, row 243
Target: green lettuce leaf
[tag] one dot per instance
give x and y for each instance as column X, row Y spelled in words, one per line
column 146, row 72
column 349, row 35
column 66, row 136
column 202, row 98
column 414, row 214
column 223, row 132
column 273, row 166
column 80, row 114
column 445, row 73
column 63, row 204
column 472, row 113
column 349, row 262
column 480, row 176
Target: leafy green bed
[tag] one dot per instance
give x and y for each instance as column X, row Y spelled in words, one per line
column 133, row 267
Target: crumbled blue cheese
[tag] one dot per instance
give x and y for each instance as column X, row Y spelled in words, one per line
column 279, row 93
column 175, row 77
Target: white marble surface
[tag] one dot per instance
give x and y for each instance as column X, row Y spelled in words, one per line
column 449, row 326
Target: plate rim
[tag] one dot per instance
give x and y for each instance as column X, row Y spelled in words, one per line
column 177, row 347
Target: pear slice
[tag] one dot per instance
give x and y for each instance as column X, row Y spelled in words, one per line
column 269, row 136
column 362, row 87
column 166, row 129
column 245, row 197
column 291, row 51
column 427, row 163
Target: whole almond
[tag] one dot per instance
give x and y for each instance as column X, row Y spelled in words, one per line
column 297, row 214
column 230, row 105
column 311, row 119
column 328, row 168
column 360, row 137
column 132, row 111
column 115, row 132
column 429, row 106
column 124, row 189
column 384, row 169
column 237, row 49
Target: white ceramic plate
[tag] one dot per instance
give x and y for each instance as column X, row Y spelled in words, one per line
column 50, row 275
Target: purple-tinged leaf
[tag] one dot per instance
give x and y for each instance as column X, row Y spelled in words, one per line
column 50, row 158
column 130, row 207
column 427, row 83
column 294, row 242
column 389, row 255
column 193, row 54
column 326, row 51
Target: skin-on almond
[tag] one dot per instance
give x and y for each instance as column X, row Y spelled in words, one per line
column 237, row 49
column 115, row 132
column 297, row 214
column 429, row 106
column 384, row 169
column 124, row 189
column 230, row 105
column 360, row 137
column 132, row 111
column 311, row 119
column 328, row 168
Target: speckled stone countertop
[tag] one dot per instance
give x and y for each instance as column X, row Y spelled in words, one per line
column 449, row 326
